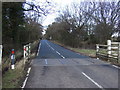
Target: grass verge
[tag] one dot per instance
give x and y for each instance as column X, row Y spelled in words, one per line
column 14, row 78
column 87, row 52
column 11, row 78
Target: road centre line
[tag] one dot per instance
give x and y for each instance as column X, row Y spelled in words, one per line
column 92, row 80
column 52, row 48
column 62, row 56
column 58, row 52
column 55, row 50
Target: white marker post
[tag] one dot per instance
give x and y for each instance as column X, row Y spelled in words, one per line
column 24, row 54
column 0, row 54
column 27, row 53
column 97, row 50
column 109, row 48
column 13, row 59
column 29, row 49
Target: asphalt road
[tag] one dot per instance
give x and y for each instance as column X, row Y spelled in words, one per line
column 57, row 67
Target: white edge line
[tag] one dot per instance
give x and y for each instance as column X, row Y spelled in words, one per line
column 29, row 70
column 116, row 66
column 92, row 80
column 38, row 49
column 27, row 75
column 25, row 82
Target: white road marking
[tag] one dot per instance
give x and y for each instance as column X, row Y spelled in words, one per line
column 52, row 48
column 38, row 49
column 46, row 61
column 58, row 52
column 55, row 50
column 27, row 75
column 116, row 66
column 92, row 80
column 29, row 70
column 24, row 83
column 62, row 56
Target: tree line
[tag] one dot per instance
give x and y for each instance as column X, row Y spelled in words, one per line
column 85, row 24
column 20, row 25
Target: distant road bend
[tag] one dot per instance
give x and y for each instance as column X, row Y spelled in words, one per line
column 57, row 67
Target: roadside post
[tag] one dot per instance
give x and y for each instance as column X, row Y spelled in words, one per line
column 109, row 48
column 97, row 50
column 26, row 52
column 29, row 49
column 13, row 59
column 0, row 54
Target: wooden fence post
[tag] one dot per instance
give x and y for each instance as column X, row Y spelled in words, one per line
column 119, row 53
column 109, row 48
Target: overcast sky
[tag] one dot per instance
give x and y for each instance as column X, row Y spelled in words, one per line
column 59, row 5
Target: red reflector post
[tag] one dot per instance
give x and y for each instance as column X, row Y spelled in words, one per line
column 24, row 49
column 13, row 52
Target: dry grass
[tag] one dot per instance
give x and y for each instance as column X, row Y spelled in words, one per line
column 12, row 78
column 87, row 52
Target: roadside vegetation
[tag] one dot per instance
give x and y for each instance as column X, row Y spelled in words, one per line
column 87, row 52
column 11, row 79
column 85, row 24
column 14, row 78
column 21, row 24
column 80, row 26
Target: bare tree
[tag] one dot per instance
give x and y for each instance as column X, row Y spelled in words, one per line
column 36, row 9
